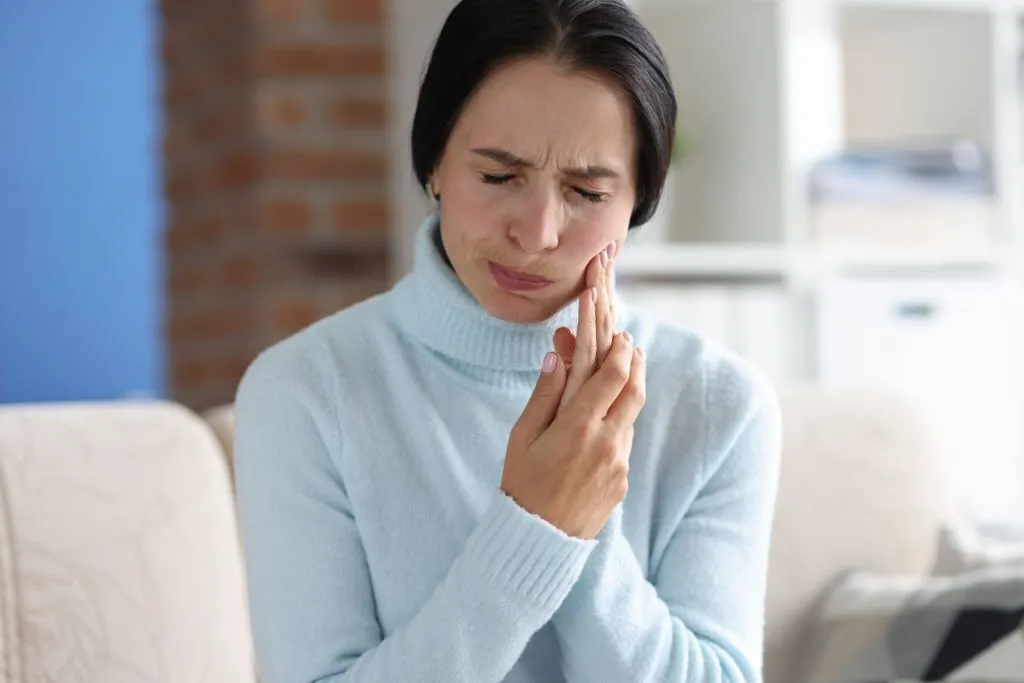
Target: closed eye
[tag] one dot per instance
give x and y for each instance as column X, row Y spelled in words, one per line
column 595, row 197
column 493, row 179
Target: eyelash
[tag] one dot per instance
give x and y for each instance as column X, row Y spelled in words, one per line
column 592, row 197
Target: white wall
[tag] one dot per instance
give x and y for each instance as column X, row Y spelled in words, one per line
column 914, row 74
column 723, row 61
column 414, row 27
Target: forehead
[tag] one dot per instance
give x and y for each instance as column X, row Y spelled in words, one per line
column 539, row 109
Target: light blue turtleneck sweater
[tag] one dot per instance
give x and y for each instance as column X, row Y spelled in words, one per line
column 369, row 451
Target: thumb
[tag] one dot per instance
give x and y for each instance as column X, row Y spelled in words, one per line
column 542, row 407
column 565, row 344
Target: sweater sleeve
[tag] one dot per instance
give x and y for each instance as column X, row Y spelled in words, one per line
column 700, row 618
column 311, row 597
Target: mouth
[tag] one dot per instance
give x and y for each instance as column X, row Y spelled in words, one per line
column 514, row 280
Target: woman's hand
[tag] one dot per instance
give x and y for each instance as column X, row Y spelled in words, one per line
column 569, row 465
column 584, row 352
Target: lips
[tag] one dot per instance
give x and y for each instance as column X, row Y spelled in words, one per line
column 515, row 280
column 525, row 277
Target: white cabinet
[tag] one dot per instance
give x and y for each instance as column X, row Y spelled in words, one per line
column 748, row 319
column 766, row 89
column 951, row 344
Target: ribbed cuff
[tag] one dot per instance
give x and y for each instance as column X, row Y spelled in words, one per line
column 523, row 556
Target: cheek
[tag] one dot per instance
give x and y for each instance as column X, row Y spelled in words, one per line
column 466, row 211
column 473, row 204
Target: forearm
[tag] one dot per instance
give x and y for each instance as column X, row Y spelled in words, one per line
column 513, row 573
column 615, row 626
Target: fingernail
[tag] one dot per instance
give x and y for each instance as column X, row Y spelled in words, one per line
column 550, row 360
column 593, row 294
column 628, row 337
column 611, row 250
column 604, row 259
column 640, row 352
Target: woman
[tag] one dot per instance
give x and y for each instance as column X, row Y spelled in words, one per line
column 418, row 503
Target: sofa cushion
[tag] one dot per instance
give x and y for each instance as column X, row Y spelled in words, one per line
column 222, row 421
column 10, row 645
column 961, row 549
column 126, row 560
column 882, row 628
column 864, row 483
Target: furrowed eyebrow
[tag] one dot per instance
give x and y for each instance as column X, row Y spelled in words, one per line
column 592, row 172
column 503, row 157
column 509, row 159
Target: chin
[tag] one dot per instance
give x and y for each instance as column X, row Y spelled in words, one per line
column 518, row 309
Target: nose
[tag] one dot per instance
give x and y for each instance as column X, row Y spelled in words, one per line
column 537, row 224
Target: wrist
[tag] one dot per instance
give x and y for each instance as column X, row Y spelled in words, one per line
column 613, row 526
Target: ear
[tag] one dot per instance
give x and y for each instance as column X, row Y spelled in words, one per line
column 433, row 187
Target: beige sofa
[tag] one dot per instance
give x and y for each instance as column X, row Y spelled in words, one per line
column 119, row 558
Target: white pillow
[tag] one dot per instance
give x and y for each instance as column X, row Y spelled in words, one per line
column 876, row 628
column 962, row 549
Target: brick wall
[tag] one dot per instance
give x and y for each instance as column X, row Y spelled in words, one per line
column 275, row 176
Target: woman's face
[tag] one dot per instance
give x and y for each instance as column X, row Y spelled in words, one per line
column 537, row 178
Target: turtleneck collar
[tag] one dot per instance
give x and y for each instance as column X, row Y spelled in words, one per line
column 436, row 309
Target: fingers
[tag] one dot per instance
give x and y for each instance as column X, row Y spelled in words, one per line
column 543, row 405
column 600, row 392
column 584, row 357
column 585, row 354
column 565, row 344
column 631, row 399
column 593, row 335
column 604, row 316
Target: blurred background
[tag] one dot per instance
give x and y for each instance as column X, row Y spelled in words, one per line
column 184, row 183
